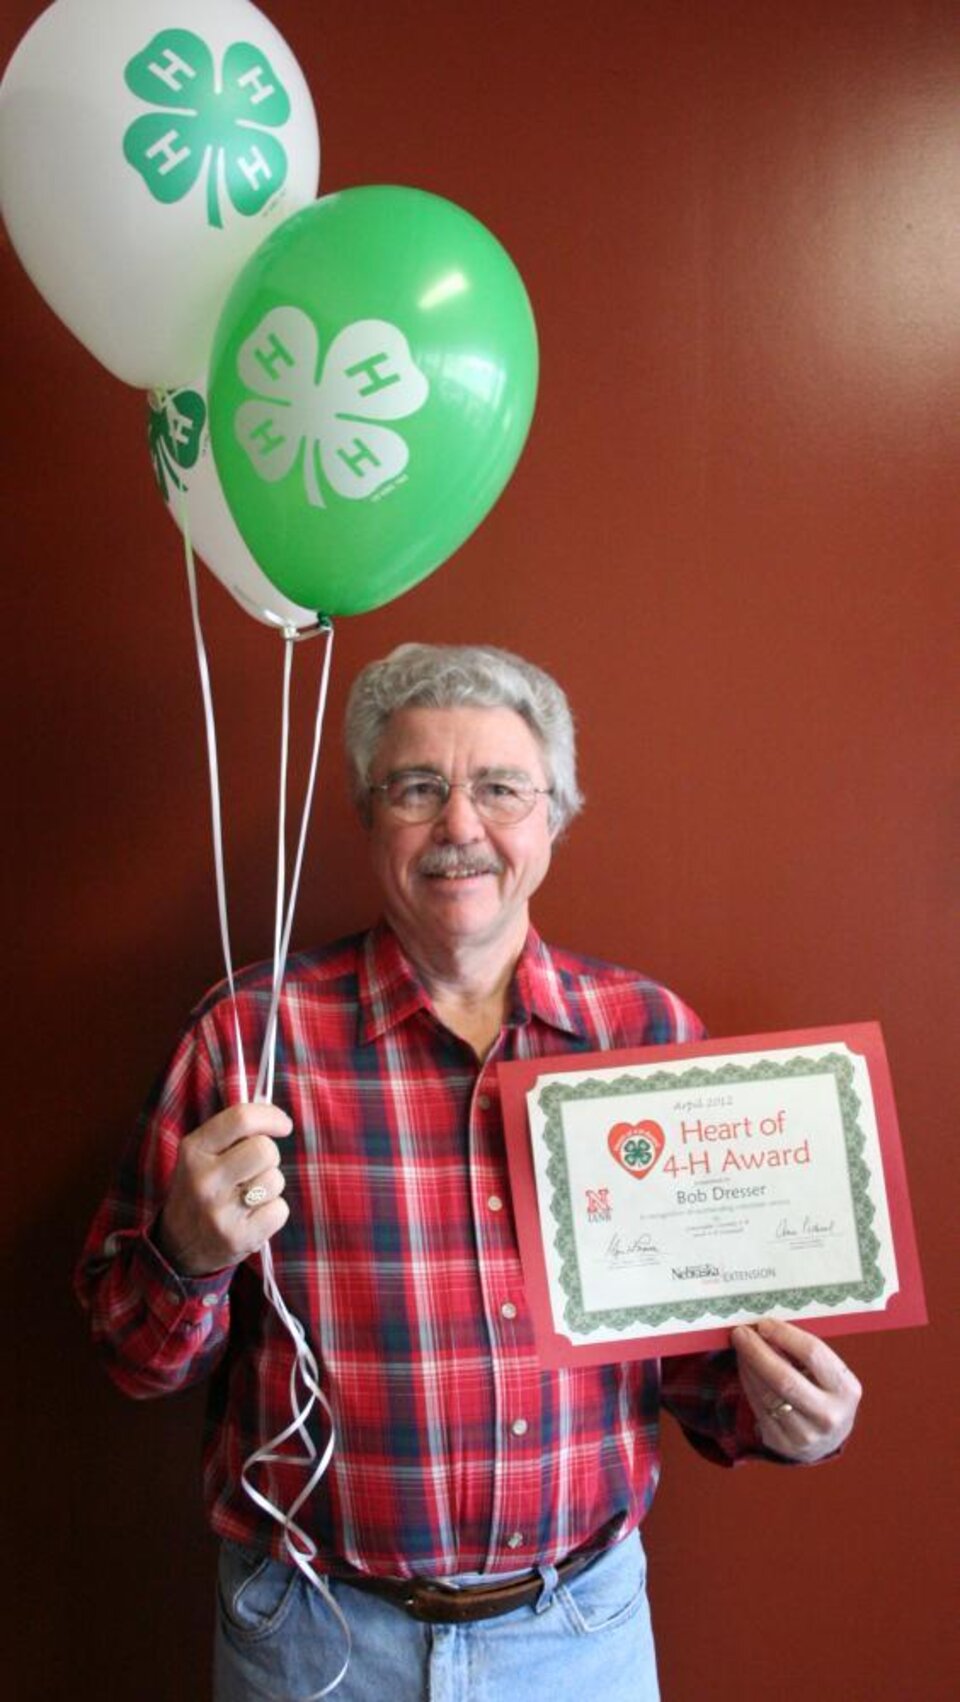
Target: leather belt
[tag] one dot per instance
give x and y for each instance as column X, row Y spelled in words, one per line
column 437, row 1603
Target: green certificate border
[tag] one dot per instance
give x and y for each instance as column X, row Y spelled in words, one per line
column 553, row 1098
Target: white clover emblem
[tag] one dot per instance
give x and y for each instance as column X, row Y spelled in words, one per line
column 368, row 376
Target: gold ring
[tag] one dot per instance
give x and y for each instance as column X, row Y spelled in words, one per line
column 779, row 1409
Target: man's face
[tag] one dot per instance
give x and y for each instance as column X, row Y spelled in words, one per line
column 459, row 882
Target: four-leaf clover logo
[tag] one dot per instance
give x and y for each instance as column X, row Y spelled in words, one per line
column 174, row 433
column 368, row 375
column 224, row 128
column 638, row 1153
column 637, row 1146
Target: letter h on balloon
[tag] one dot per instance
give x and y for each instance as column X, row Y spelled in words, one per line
column 266, row 438
column 254, row 167
column 172, row 157
column 255, row 76
column 376, row 380
column 271, row 354
column 362, row 456
column 172, row 68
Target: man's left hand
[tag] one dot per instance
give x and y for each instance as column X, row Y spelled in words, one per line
column 804, row 1397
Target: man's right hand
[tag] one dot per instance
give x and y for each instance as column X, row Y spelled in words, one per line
column 204, row 1225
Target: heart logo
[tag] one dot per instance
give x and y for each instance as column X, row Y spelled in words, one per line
column 637, row 1146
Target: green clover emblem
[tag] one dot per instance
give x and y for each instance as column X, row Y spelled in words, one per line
column 638, row 1152
column 225, row 128
column 174, row 431
column 368, row 376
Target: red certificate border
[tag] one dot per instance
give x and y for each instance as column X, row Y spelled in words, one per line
column 906, row 1307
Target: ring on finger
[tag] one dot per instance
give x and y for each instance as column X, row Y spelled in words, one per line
column 779, row 1409
column 254, row 1195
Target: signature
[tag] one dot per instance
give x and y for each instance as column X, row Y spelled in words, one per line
column 785, row 1230
column 620, row 1249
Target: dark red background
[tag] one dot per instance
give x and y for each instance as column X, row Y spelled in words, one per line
column 733, row 536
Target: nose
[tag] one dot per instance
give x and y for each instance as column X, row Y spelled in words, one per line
column 458, row 822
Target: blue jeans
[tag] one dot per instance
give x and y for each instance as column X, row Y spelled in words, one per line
column 277, row 1638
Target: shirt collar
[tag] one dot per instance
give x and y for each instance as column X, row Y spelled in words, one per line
column 539, row 990
column 390, row 990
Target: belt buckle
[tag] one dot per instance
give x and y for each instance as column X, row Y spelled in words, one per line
column 433, row 1602
column 420, row 1594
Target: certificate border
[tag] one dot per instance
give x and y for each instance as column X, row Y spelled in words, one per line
column 576, row 1316
column 519, row 1077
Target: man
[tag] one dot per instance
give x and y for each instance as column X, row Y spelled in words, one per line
column 478, row 1523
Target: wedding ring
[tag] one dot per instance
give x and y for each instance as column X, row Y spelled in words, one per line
column 254, row 1196
column 778, row 1410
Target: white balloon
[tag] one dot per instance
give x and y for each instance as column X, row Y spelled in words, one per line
column 147, row 147
column 183, row 462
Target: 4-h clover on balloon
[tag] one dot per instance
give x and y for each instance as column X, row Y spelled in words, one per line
column 175, row 423
column 207, row 123
column 367, row 376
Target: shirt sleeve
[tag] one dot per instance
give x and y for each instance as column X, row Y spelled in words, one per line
column 156, row 1330
column 703, row 1393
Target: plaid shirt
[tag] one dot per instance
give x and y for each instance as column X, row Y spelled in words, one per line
column 455, row 1451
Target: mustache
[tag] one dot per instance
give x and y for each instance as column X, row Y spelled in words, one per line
column 459, row 860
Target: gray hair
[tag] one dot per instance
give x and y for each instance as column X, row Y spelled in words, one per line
column 452, row 676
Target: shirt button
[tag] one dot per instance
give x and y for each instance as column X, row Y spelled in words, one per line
column 508, row 1310
column 211, row 1300
column 495, row 1203
column 519, row 1427
column 484, row 1101
column 515, row 1540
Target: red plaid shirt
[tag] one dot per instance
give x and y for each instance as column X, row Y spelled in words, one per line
column 455, row 1451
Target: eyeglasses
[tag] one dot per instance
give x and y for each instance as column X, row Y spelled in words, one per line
column 419, row 795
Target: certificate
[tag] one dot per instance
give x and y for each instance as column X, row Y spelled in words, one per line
column 664, row 1195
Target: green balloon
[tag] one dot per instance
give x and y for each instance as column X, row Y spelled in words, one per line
column 371, row 386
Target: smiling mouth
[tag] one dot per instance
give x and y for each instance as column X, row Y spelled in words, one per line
column 459, row 875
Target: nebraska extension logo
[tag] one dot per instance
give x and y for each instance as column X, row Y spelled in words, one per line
column 637, row 1146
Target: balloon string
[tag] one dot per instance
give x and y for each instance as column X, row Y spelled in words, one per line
column 215, row 800
column 284, row 944
column 304, row 1391
column 281, row 839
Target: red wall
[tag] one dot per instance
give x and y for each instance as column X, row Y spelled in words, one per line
column 732, row 536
